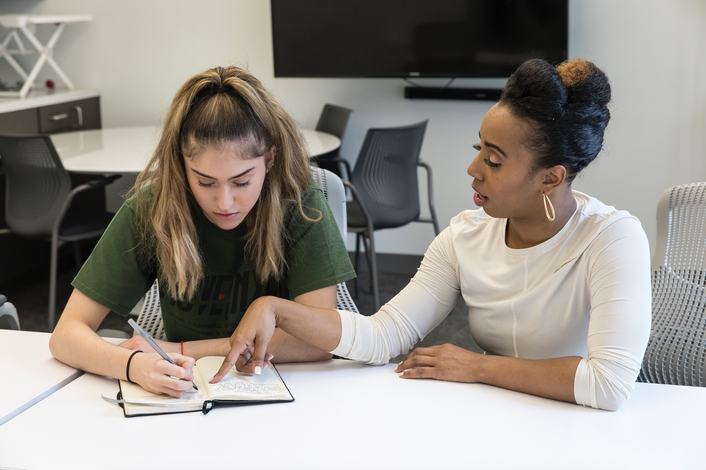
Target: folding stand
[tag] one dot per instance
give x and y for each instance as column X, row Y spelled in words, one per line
column 26, row 24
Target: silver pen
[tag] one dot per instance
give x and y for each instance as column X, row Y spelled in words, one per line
column 150, row 340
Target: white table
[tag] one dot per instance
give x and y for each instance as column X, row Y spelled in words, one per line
column 128, row 149
column 349, row 415
column 28, row 372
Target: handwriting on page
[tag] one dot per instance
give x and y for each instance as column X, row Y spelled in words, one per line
column 238, row 386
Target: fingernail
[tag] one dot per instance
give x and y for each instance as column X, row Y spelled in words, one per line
column 258, row 370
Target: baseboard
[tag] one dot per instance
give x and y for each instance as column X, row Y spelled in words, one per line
column 390, row 262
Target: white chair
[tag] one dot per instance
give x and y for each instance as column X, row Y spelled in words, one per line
column 8, row 315
column 677, row 347
column 150, row 313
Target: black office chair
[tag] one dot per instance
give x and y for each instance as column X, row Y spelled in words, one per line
column 333, row 120
column 38, row 200
column 385, row 188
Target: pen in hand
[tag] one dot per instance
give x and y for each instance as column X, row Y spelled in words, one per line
column 150, row 340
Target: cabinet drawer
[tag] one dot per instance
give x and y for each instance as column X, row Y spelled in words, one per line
column 71, row 116
column 19, row 122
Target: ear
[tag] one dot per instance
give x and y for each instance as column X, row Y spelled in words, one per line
column 270, row 158
column 553, row 178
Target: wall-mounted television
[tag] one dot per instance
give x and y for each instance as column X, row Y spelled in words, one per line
column 415, row 38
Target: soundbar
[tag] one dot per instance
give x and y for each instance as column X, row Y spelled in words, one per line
column 485, row 94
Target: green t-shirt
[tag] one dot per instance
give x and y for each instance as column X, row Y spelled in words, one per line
column 117, row 274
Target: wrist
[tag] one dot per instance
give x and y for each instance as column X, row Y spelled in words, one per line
column 482, row 370
column 274, row 308
column 268, row 304
column 130, row 364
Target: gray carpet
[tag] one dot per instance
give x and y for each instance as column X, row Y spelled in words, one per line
column 29, row 294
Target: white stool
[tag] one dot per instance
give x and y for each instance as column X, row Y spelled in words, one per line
column 27, row 24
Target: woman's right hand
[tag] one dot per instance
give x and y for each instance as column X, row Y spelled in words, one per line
column 156, row 375
column 254, row 332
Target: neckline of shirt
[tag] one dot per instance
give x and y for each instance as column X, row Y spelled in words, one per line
column 554, row 240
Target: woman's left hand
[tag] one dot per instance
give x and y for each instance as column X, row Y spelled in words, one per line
column 442, row 362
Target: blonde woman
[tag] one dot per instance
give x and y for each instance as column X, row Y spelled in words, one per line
column 557, row 284
column 225, row 212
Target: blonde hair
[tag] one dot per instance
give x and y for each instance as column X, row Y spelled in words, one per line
column 220, row 107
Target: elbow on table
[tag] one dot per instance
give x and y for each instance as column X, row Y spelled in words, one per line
column 605, row 399
column 60, row 345
column 605, row 385
column 613, row 404
column 55, row 346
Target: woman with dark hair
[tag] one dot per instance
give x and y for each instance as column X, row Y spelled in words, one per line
column 557, row 284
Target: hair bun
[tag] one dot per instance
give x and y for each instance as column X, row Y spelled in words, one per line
column 584, row 82
column 574, row 72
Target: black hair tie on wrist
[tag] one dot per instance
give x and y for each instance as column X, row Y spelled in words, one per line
column 127, row 369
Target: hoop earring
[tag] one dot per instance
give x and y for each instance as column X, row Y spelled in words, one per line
column 546, row 211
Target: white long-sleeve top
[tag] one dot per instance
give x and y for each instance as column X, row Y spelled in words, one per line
column 584, row 292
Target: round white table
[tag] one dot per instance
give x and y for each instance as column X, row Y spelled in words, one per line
column 128, row 149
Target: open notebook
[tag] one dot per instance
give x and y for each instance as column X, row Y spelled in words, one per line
column 234, row 389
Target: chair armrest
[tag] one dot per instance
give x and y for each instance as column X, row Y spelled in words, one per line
column 356, row 198
column 93, row 184
column 430, row 194
column 102, row 182
column 345, row 162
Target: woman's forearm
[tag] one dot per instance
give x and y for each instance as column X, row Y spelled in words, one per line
column 287, row 348
column 319, row 327
column 549, row 378
column 77, row 345
column 74, row 341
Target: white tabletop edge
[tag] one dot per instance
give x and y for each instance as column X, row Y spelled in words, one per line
column 39, row 397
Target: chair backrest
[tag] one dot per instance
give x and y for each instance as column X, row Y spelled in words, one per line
column 385, row 174
column 37, row 184
column 334, row 120
column 8, row 315
column 335, row 193
column 676, row 349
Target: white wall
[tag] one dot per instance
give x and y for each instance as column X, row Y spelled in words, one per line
column 654, row 51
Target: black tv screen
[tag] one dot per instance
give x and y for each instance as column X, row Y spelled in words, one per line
column 415, row 38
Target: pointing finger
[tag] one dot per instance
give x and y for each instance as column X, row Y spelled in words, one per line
column 228, row 363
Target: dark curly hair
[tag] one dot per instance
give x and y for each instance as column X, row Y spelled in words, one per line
column 567, row 107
